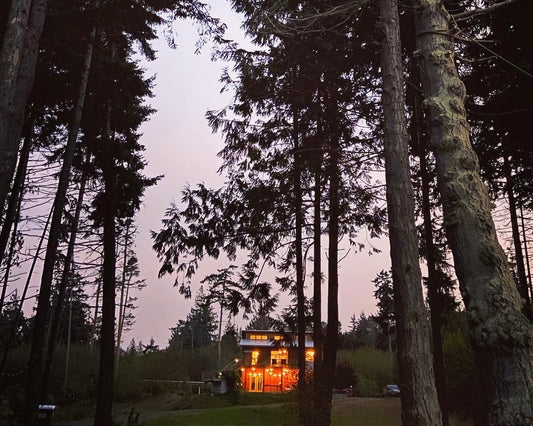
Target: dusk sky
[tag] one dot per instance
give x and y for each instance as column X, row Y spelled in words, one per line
column 179, row 145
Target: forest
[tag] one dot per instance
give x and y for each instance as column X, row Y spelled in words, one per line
column 329, row 98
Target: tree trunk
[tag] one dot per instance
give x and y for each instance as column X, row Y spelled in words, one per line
column 303, row 403
column 10, row 59
column 58, row 308
column 332, row 333
column 104, row 399
column 12, row 213
column 18, row 58
column 317, row 291
column 96, row 309
column 16, row 190
column 67, row 355
column 500, row 332
column 519, row 257
column 25, row 291
column 435, row 304
column 35, row 368
column 526, row 255
column 420, row 404
column 122, row 303
column 219, row 340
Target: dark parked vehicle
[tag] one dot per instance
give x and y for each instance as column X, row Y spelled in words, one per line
column 391, row 390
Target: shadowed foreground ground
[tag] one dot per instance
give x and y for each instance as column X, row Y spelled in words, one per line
column 346, row 412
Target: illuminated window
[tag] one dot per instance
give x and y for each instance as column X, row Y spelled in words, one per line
column 279, row 357
column 255, row 356
column 258, row 337
column 278, row 337
column 310, row 355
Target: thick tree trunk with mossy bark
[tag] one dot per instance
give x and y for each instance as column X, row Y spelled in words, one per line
column 420, row 405
column 501, row 335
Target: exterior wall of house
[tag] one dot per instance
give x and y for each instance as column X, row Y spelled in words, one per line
column 270, row 360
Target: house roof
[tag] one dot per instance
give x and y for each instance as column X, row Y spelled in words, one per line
column 270, row 343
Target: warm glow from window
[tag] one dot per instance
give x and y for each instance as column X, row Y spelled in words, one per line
column 310, row 355
column 280, row 357
column 255, row 355
column 258, row 337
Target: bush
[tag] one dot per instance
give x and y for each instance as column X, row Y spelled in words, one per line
column 461, row 376
column 373, row 369
column 344, row 376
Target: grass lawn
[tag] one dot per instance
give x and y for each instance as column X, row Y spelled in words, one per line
column 278, row 414
column 256, row 409
column 346, row 411
column 366, row 411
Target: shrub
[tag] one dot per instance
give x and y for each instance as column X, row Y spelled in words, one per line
column 373, row 369
column 460, row 370
column 344, row 376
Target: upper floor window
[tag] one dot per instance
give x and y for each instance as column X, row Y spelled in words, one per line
column 280, row 357
column 258, row 337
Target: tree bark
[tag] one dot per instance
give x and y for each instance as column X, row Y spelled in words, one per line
column 317, row 290
column 500, row 332
column 526, row 254
column 10, row 59
column 327, row 372
column 303, row 403
column 435, row 304
column 420, row 404
column 96, row 309
column 104, row 400
column 519, row 257
column 18, row 58
column 123, row 302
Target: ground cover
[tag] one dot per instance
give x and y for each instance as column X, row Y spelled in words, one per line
column 246, row 409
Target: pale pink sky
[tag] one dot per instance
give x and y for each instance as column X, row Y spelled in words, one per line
column 180, row 145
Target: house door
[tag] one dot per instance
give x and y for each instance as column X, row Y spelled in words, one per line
column 256, row 382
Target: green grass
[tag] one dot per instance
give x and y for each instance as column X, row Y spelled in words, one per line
column 278, row 414
column 256, row 409
column 366, row 412
column 346, row 412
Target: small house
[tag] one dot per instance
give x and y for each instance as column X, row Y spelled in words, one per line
column 270, row 360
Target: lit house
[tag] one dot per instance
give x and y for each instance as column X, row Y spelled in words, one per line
column 270, row 360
